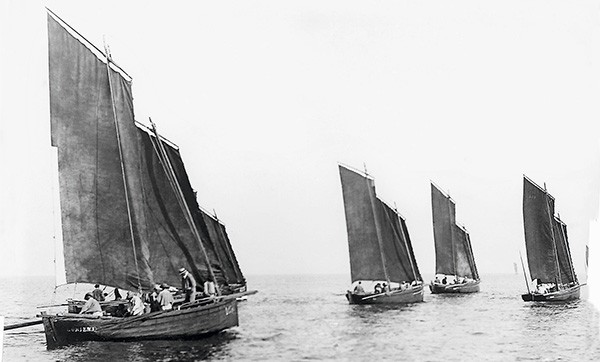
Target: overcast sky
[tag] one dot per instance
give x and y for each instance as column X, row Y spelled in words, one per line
column 265, row 97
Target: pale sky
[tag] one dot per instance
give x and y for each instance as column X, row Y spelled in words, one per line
column 265, row 97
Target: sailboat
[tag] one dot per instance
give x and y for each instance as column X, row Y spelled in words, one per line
column 455, row 267
column 550, row 265
column 382, row 263
column 129, row 215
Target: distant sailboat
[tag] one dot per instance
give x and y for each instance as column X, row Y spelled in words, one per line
column 548, row 254
column 455, row 267
column 382, row 263
column 130, row 218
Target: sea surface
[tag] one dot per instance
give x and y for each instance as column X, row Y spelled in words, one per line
column 307, row 317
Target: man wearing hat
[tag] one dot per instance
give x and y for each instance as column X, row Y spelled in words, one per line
column 188, row 284
column 165, row 298
column 91, row 306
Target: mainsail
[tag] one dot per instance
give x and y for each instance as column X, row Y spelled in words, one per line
column 548, row 252
column 379, row 245
column 124, row 223
column 453, row 252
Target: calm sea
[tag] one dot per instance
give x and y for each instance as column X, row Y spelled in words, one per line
column 308, row 318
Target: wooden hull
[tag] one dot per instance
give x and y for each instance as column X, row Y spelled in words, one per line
column 186, row 323
column 559, row 296
column 439, row 288
column 412, row 295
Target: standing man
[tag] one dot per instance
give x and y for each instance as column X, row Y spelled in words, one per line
column 165, row 298
column 188, row 284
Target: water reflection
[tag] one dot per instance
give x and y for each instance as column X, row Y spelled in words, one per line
column 212, row 347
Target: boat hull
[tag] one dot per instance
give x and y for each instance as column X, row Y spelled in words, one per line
column 186, row 323
column 439, row 288
column 559, row 296
column 412, row 295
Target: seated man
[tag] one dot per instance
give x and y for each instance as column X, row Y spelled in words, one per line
column 377, row 288
column 358, row 289
column 136, row 305
column 91, row 306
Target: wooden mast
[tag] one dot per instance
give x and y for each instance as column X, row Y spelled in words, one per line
column 377, row 228
column 181, row 198
column 553, row 239
column 524, row 273
column 112, row 101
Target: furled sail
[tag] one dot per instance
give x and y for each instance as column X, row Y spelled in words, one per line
column 546, row 240
column 123, row 221
column 378, row 240
column 453, row 252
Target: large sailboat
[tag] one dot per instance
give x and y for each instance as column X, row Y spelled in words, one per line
column 548, row 255
column 129, row 216
column 455, row 267
column 382, row 263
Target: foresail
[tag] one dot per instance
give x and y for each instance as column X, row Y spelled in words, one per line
column 538, row 211
column 365, row 254
column 229, row 264
column 397, row 257
column 567, row 273
column 102, row 241
column 443, row 228
column 462, row 260
column 410, row 249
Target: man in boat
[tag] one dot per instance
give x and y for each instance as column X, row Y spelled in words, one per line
column 377, row 288
column 98, row 294
column 152, row 299
column 136, row 306
column 165, row 298
column 209, row 288
column 358, row 289
column 91, row 306
column 188, row 284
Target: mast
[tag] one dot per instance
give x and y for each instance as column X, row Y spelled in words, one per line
column 452, row 238
column 114, row 109
column 524, row 273
column 377, row 230
column 553, row 239
column 181, row 198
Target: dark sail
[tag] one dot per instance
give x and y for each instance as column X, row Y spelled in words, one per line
column 538, row 211
column 365, row 254
column 398, row 259
column 453, row 252
column 99, row 243
column 567, row 274
column 410, row 249
column 123, row 222
column 379, row 245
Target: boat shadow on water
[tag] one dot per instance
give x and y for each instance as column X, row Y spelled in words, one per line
column 213, row 346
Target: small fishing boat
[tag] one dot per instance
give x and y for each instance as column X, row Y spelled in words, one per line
column 551, row 269
column 382, row 262
column 129, row 215
column 455, row 267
